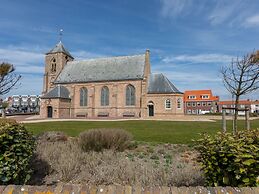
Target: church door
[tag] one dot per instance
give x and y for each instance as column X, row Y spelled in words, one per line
column 50, row 111
column 151, row 110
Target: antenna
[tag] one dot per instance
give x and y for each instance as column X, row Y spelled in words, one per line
column 60, row 34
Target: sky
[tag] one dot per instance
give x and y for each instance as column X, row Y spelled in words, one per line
column 189, row 40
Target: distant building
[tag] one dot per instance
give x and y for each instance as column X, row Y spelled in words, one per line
column 200, row 102
column 255, row 106
column 231, row 104
column 25, row 103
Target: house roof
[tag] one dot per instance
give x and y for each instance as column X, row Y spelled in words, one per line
column 59, row 48
column 103, row 69
column 230, row 102
column 159, row 84
column 58, row 92
column 198, row 95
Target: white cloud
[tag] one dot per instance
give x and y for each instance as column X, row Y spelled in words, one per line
column 80, row 55
column 28, row 85
column 23, row 60
column 222, row 11
column 172, row 8
column 252, row 21
column 201, row 58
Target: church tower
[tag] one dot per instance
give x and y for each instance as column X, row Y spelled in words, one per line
column 55, row 60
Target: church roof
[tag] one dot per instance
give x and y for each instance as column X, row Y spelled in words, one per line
column 59, row 48
column 160, row 84
column 58, row 92
column 103, row 69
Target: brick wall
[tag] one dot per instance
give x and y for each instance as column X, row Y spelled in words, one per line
column 86, row 189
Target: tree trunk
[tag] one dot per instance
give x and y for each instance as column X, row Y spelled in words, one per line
column 236, row 115
column 3, row 113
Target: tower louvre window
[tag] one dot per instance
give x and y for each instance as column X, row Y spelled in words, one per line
column 53, row 65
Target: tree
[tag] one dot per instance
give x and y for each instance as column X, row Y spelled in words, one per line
column 241, row 77
column 8, row 79
column 4, row 105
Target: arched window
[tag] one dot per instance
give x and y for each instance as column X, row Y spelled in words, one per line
column 130, row 95
column 105, row 96
column 179, row 103
column 168, row 104
column 53, row 65
column 83, row 97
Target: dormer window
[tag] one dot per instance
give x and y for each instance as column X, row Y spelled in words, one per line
column 192, row 97
column 205, row 96
column 53, row 65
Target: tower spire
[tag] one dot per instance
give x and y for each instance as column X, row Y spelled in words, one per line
column 60, row 34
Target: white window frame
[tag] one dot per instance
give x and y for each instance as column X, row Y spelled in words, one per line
column 205, row 96
column 192, row 97
column 179, row 103
column 168, row 102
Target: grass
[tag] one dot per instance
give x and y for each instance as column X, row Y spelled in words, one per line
column 177, row 132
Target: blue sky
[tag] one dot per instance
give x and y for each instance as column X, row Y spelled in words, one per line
column 189, row 40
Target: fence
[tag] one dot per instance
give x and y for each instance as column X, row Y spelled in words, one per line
column 117, row 189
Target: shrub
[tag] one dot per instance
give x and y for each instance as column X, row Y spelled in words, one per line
column 99, row 139
column 52, row 136
column 230, row 159
column 16, row 150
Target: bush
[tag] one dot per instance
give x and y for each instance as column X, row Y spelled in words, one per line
column 16, row 150
column 52, row 136
column 230, row 160
column 99, row 139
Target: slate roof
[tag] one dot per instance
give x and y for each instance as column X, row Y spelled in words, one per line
column 159, row 84
column 59, row 48
column 103, row 69
column 58, row 92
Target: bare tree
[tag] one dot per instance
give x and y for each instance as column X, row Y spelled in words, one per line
column 8, row 79
column 241, row 77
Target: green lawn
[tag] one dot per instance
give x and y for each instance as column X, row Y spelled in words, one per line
column 148, row 131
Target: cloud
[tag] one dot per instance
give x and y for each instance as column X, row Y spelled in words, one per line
column 172, row 8
column 223, row 11
column 201, row 58
column 24, row 61
column 80, row 55
column 252, row 21
column 28, row 85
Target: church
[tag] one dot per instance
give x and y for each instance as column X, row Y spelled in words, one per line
column 110, row 87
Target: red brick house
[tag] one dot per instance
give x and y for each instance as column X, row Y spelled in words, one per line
column 200, row 102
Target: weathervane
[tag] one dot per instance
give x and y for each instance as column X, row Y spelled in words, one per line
column 60, row 34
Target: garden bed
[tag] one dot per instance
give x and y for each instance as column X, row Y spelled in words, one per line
column 61, row 160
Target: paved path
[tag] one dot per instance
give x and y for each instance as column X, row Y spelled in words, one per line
column 204, row 118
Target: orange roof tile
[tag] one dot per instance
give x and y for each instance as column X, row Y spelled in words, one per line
column 198, row 95
column 229, row 102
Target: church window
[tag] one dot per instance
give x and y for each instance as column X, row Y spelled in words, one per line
column 168, row 104
column 130, row 95
column 83, row 97
column 179, row 103
column 105, row 96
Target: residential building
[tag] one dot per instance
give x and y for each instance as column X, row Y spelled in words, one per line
column 25, row 103
column 200, row 102
column 231, row 104
column 255, row 106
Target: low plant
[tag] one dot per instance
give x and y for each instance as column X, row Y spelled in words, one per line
column 230, row 160
column 99, row 139
column 16, row 150
column 69, row 164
